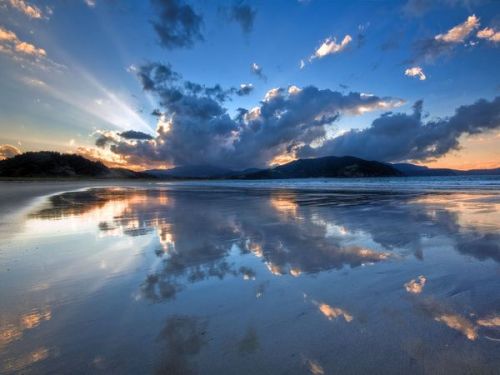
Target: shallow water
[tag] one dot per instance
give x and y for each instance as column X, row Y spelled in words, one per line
column 179, row 279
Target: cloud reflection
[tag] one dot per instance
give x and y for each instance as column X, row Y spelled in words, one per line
column 292, row 233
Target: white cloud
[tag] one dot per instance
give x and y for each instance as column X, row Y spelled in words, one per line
column 330, row 46
column 489, row 34
column 272, row 93
column 25, row 52
column 292, row 90
column 29, row 49
column 302, row 64
column 32, row 11
column 416, row 71
column 458, row 33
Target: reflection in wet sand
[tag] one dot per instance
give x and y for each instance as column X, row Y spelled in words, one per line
column 416, row 286
column 223, row 273
column 490, row 321
column 184, row 337
column 334, row 312
column 459, row 323
column 314, row 367
column 11, row 331
column 20, row 363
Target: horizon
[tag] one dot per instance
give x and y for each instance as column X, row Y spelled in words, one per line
column 165, row 83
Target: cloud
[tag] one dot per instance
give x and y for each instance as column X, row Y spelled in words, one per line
column 177, row 24
column 431, row 48
column 11, row 44
column 489, row 34
column 416, row 71
column 458, row 33
column 245, row 89
column 90, row 3
column 195, row 127
column 8, row 151
column 330, row 46
column 7, row 35
column 244, row 15
column 25, row 52
column 398, row 136
column 132, row 134
column 30, row 49
column 31, row 11
column 257, row 70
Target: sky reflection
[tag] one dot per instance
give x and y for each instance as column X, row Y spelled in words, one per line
column 193, row 275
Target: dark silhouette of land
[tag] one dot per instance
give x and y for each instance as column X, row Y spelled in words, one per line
column 48, row 164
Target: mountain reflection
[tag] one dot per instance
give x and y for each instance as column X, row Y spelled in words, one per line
column 293, row 233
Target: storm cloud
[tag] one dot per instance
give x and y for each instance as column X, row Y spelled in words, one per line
column 242, row 14
column 398, row 136
column 177, row 24
column 195, row 127
column 133, row 134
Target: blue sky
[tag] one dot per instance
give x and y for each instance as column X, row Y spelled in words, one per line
column 85, row 80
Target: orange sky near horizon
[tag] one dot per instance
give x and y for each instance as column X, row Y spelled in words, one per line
column 476, row 152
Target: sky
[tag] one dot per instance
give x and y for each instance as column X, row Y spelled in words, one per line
column 240, row 84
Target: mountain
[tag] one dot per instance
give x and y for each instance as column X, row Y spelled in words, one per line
column 191, row 171
column 419, row 170
column 46, row 164
column 329, row 166
column 53, row 164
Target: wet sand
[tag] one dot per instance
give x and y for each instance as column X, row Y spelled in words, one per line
column 217, row 280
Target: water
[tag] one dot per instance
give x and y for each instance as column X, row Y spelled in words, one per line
column 246, row 278
column 450, row 183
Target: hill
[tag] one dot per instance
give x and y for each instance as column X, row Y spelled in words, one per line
column 420, row 170
column 191, row 171
column 44, row 164
column 329, row 166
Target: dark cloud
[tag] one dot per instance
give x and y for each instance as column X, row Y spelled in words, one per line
column 197, row 128
column 152, row 75
column 103, row 139
column 133, row 134
column 245, row 89
column 177, row 24
column 400, row 136
column 257, row 70
column 244, row 15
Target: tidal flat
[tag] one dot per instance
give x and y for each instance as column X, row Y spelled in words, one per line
column 119, row 278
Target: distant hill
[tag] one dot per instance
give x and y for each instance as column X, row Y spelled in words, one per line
column 191, row 171
column 45, row 164
column 329, row 166
column 419, row 170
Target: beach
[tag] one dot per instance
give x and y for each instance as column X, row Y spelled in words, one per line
column 321, row 276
